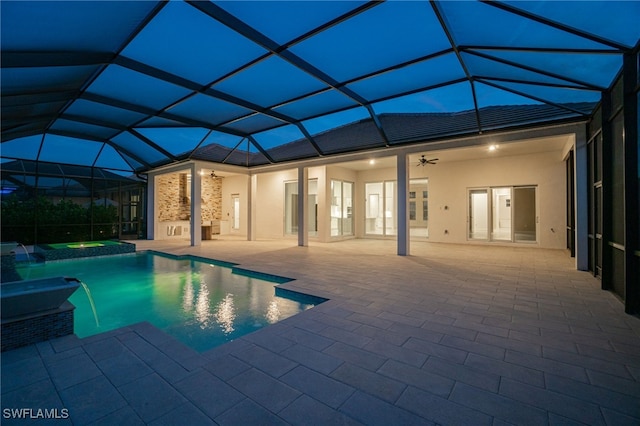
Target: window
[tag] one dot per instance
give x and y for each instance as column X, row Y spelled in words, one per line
column 412, row 194
column 419, row 223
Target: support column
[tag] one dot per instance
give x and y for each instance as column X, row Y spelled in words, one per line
column 303, row 217
column 581, row 188
column 196, row 206
column 403, row 211
column 151, row 207
column 252, row 191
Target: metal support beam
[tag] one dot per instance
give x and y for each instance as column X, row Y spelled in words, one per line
column 403, row 204
column 454, row 46
column 631, row 172
column 581, row 190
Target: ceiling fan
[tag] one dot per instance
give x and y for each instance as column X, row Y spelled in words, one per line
column 424, row 161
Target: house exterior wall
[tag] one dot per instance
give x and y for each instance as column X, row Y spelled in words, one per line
column 449, row 183
column 448, row 187
column 232, row 185
column 270, row 203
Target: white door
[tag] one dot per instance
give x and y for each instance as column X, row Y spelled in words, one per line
column 235, row 212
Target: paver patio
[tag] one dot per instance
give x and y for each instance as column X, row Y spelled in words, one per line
column 451, row 335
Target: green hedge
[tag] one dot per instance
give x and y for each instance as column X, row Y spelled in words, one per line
column 63, row 222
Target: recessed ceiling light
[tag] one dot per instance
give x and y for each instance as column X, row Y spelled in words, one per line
column 372, row 161
column 493, row 147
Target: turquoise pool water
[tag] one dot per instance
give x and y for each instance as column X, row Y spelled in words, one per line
column 202, row 303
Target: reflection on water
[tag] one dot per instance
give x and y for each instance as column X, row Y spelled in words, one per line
column 273, row 312
column 203, row 306
column 225, row 314
column 199, row 305
column 187, row 297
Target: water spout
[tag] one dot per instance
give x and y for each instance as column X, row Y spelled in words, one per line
column 25, row 252
column 93, row 306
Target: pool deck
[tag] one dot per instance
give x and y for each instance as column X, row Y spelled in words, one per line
column 451, row 335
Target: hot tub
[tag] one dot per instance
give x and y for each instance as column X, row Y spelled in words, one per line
column 79, row 249
column 28, row 297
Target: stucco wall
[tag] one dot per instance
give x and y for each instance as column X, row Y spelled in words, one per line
column 235, row 185
column 449, row 182
column 270, row 203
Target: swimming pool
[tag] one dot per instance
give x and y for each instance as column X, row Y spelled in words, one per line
column 201, row 302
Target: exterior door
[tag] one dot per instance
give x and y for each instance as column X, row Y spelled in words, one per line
column 381, row 208
column 503, row 214
column 235, row 212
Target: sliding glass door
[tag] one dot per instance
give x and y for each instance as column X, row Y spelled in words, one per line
column 341, row 208
column 503, row 214
column 381, row 208
column 478, row 214
column 524, row 215
column 291, row 207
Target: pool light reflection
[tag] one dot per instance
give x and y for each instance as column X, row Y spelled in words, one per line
column 202, row 313
column 273, row 312
column 225, row 314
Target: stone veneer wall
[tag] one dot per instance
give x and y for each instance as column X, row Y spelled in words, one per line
column 171, row 206
column 171, row 203
column 211, row 198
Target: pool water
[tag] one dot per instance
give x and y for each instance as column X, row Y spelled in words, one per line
column 202, row 303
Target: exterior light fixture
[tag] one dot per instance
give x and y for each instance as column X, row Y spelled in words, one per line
column 493, row 147
column 372, row 161
column 213, row 174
